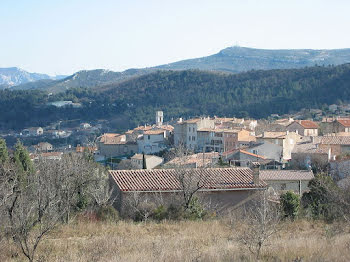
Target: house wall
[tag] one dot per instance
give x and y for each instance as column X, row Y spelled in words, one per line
column 296, row 127
column 186, row 133
column 116, row 150
column 219, row 201
column 268, row 150
column 151, row 162
column 150, row 144
column 288, row 185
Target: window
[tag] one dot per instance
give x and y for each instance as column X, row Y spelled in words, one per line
column 193, row 138
column 189, row 138
column 194, row 130
column 283, row 186
column 149, row 137
column 189, row 129
column 255, row 151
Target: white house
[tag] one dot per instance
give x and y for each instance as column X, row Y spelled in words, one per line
column 151, row 161
column 152, row 141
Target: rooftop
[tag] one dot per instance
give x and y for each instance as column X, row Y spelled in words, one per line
column 307, row 124
column 167, row 179
column 286, row 175
column 272, row 134
column 344, row 122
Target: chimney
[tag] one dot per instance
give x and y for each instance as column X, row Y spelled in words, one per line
column 256, row 179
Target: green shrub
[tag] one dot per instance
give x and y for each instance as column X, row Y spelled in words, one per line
column 159, row 213
column 107, row 213
column 175, row 212
column 195, row 210
column 290, row 203
column 319, row 200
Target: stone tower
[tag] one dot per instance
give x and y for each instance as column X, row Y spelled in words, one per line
column 159, row 118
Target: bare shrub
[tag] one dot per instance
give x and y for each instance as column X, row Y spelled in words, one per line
column 261, row 221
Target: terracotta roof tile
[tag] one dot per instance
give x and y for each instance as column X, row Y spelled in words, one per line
column 167, row 179
column 344, row 122
column 335, row 140
column 307, row 124
column 267, row 175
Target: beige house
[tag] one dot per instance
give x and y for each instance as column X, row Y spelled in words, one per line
column 223, row 188
column 221, row 140
column 43, row 147
column 280, row 181
column 151, row 161
column 115, row 145
column 285, row 139
column 185, row 132
column 304, row 127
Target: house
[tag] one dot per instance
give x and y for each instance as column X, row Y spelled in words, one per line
column 308, row 154
column 43, row 147
column 112, row 145
column 266, row 149
column 33, row 131
column 341, row 125
column 185, row 132
column 195, row 160
column 151, row 161
column 47, row 156
column 337, row 144
column 221, row 140
column 285, row 139
column 304, row 127
column 243, row 158
column 280, row 181
column 152, row 141
column 224, row 188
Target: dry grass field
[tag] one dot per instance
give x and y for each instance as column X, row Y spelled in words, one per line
column 213, row 240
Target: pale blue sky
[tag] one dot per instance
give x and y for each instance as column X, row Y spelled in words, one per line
column 64, row 36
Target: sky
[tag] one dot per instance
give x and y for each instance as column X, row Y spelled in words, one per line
column 64, row 36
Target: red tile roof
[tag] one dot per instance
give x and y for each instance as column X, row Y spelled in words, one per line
column 335, row 140
column 344, row 122
column 307, row 124
column 251, row 154
column 154, row 132
column 167, row 179
column 267, row 175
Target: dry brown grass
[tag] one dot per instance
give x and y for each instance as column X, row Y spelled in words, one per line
column 213, row 240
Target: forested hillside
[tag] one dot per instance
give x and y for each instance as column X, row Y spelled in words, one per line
column 184, row 93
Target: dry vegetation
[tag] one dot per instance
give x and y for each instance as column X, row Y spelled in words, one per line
column 213, row 240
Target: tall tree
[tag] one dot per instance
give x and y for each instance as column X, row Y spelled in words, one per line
column 4, row 156
column 22, row 159
column 144, row 164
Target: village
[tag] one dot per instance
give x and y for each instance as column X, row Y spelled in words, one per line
column 284, row 153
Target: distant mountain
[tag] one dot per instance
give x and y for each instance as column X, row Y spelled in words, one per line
column 230, row 60
column 13, row 76
column 239, row 59
column 84, row 79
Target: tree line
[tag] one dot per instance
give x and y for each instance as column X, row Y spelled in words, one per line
column 184, row 93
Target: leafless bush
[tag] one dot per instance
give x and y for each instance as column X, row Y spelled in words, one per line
column 30, row 210
column 261, row 221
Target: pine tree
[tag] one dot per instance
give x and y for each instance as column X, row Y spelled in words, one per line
column 4, row 155
column 144, row 165
column 21, row 159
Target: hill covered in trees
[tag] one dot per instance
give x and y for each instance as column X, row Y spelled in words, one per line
column 230, row 60
column 183, row 93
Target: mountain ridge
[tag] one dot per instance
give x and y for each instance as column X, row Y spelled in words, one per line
column 13, row 76
column 230, row 60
